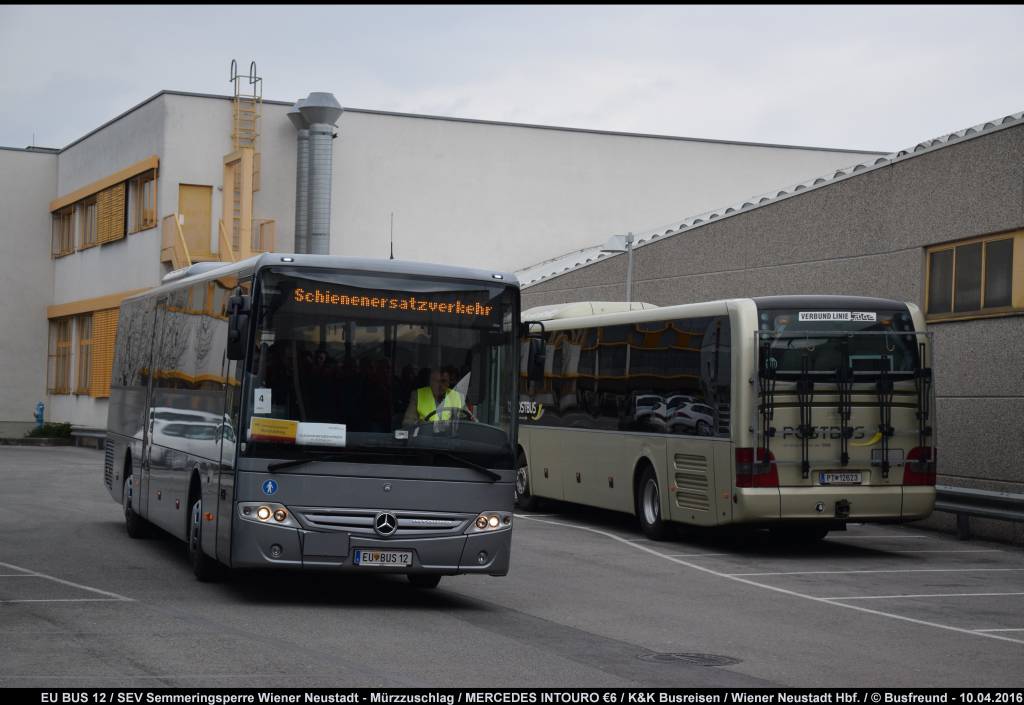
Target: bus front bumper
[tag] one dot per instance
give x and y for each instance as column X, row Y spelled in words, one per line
column 265, row 546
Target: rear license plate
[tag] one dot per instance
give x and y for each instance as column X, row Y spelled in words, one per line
column 840, row 478
column 382, row 558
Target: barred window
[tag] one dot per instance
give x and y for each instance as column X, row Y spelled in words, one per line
column 58, row 377
column 142, row 194
column 63, row 237
column 87, row 223
column 83, row 324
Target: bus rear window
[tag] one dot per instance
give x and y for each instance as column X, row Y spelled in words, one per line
column 864, row 341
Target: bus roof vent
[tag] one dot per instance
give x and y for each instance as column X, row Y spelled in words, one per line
column 192, row 270
column 582, row 308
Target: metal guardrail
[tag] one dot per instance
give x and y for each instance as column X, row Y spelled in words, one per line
column 966, row 503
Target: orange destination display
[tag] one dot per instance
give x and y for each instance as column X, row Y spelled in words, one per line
column 459, row 308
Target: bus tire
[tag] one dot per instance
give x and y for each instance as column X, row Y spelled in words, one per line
column 426, row 581
column 523, row 499
column 648, row 506
column 205, row 568
column 135, row 526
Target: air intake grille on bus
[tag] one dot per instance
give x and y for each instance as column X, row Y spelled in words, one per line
column 692, row 482
column 108, row 464
column 360, row 521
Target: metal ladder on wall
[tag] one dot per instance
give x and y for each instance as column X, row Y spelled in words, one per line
column 246, row 114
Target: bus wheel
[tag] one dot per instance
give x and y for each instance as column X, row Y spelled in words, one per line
column 424, row 580
column 204, row 567
column 523, row 499
column 648, row 509
column 134, row 525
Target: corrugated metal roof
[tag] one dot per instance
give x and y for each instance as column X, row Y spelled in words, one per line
column 576, row 259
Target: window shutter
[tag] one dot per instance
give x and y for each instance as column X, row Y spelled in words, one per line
column 104, row 332
column 110, row 213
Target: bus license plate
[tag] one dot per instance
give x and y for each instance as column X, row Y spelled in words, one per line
column 840, row 478
column 382, row 558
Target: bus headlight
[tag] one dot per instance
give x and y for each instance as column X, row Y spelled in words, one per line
column 266, row 513
column 490, row 521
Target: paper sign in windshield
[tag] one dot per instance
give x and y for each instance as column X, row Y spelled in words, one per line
column 272, row 430
column 838, row 316
column 321, row 434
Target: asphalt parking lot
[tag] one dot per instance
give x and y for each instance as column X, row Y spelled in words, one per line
column 589, row 602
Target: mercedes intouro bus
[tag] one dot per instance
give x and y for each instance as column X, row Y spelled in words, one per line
column 796, row 413
column 272, row 413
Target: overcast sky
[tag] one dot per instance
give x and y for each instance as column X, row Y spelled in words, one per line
column 878, row 78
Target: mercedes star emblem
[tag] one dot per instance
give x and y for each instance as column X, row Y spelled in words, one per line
column 385, row 523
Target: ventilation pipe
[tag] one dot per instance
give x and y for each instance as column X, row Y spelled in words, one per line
column 321, row 112
column 301, row 178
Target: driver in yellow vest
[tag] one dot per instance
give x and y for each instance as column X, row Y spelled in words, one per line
column 436, row 402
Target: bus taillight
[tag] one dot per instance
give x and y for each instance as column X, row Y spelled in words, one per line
column 920, row 466
column 759, row 474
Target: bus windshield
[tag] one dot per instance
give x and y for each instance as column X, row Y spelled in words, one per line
column 863, row 341
column 382, row 365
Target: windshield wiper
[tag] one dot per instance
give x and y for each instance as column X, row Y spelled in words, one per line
column 470, row 464
column 274, row 467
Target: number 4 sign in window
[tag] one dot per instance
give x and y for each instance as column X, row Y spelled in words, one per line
column 261, row 401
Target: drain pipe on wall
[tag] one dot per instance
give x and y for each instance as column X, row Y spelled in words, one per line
column 321, row 111
column 301, row 178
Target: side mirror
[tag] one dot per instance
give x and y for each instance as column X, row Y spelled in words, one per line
column 538, row 354
column 239, row 306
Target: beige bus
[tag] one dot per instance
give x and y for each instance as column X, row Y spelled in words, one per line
column 795, row 413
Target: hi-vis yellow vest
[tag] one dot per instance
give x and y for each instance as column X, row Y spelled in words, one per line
column 425, row 404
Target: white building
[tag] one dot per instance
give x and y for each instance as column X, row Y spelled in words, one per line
column 183, row 178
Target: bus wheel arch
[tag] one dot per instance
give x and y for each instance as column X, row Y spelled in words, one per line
column 647, row 501
column 204, row 567
column 524, row 498
column 135, row 526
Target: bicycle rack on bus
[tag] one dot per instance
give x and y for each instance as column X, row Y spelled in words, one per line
column 805, row 397
column 766, row 407
column 845, row 380
column 844, row 385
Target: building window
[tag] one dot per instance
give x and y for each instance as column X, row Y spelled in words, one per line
column 58, row 377
column 87, row 223
column 110, row 213
column 975, row 277
column 63, row 242
column 104, row 333
column 83, row 326
column 142, row 192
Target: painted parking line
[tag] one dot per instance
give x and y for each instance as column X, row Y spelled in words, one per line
column 887, row 570
column 110, row 596
column 67, row 599
column 784, row 591
column 694, row 555
column 880, row 536
column 951, row 550
column 944, row 594
column 1015, row 629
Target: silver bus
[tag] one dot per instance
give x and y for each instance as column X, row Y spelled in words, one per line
column 318, row 412
column 796, row 413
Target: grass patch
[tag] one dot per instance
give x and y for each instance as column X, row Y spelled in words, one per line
column 50, row 430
